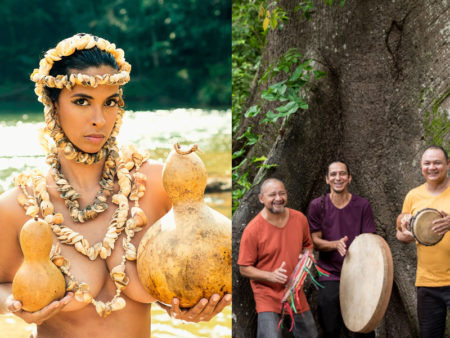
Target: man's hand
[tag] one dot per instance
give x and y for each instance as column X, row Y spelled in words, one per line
column 341, row 245
column 442, row 225
column 38, row 317
column 278, row 275
column 403, row 234
column 204, row 310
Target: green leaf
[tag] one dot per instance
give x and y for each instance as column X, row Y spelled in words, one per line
column 258, row 159
column 238, row 153
column 297, row 73
column 253, row 111
column 273, row 22
column 239, row 165
column 319, row 74
column 290, row 108
column 267, row 166
column 268, row 95
column 271, row 117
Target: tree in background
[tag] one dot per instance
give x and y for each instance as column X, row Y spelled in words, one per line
column 384, row 98
column 180, row 50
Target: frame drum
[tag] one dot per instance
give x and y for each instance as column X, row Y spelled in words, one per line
column 366, row 282
column 421, row 224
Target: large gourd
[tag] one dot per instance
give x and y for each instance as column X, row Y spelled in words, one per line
column 38, row 281
column 187, row 253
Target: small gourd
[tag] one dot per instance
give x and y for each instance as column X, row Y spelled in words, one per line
column 38, row 281
column 187, row 253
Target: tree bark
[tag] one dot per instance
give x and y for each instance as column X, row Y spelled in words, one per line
column 387, row 65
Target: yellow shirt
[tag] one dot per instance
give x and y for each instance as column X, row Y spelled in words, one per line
column 433, row 262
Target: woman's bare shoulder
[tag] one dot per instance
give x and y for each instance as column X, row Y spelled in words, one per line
column 154, row 185
column 11, row 212
column 12, row 217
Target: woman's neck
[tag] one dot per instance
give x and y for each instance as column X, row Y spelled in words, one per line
column 82, row 177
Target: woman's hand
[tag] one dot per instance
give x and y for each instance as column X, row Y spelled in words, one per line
column 38, row 317
column 204, row 310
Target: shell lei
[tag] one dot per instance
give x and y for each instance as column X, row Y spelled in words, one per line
column 41, row 76
column 132, row 187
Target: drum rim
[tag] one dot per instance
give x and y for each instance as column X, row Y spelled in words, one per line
column 411, row 222
column 383, row 302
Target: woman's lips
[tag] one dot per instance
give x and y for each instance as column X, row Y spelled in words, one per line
column 95, row 138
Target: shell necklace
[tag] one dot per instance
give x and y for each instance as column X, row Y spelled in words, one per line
column 70, row 196
column 40, row 201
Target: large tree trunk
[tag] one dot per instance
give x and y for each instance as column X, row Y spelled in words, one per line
column 388, row 68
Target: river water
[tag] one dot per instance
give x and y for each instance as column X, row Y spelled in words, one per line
column 156, row 132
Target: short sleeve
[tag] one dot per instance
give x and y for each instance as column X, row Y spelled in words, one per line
column 248, row 248
column 307, row 241
column 407, row 204
column 315, row 216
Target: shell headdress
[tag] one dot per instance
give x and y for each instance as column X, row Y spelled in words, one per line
column 42, row 78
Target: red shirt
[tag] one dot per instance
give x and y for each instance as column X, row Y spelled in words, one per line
column 265, row 247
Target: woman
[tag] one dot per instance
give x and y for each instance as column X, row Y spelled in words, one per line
column 79, row 82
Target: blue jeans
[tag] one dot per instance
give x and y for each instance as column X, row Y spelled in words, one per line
column 304, row 325
column 432, row 306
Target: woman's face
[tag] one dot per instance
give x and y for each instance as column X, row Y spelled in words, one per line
column 86, row 114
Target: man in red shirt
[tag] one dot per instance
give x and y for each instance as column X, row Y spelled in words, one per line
column 270, row 248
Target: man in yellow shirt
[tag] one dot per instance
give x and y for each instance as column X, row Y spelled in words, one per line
column 433, row 262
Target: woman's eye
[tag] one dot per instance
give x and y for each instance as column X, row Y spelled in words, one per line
column 81, row 102
column 111, row 103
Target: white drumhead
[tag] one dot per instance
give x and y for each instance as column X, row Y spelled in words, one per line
column 422, row 226
column 366, row 282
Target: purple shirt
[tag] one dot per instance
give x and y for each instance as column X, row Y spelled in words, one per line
column 352, row 220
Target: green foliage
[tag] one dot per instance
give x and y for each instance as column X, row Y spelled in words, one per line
column 307, row 7
column 290, row 93
column 437, row 123
column 251, row 22
column 273, row 16
column 179, row 50
column 248, row 41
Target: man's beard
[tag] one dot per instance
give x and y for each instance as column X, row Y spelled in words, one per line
column 277, row 211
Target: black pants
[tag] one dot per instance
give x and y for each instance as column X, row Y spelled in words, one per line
column 432, row 306
column 329, row 310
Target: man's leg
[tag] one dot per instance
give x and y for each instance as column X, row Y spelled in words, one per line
column 268, row 325
column 432, row 303
column 304, row 327
column 329, row 309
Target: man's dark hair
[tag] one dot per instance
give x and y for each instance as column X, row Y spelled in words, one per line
column 338, row 161
column 439, row 148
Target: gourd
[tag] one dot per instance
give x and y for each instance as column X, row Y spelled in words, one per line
column 38, row 281
column 187, row 253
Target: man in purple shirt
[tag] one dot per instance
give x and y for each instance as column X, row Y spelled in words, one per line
column 335, row 219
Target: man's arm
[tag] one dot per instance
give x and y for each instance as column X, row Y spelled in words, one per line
column 323, row 245
column 276, row 276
